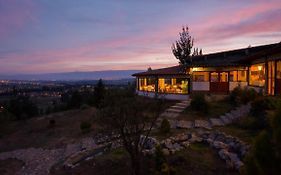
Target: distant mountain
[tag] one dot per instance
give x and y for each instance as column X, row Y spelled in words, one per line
column 74, row 76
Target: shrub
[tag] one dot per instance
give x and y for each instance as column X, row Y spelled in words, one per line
column 248, row 94
column 258, row 111
column 165, row 126
column 199, row 103
column 85, row 127
column 235, row 95
column 52, row 123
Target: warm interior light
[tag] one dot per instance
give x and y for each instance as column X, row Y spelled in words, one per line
column 259, row 68
column 194, row 69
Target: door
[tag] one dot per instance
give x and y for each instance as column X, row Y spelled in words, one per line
column 219, row 82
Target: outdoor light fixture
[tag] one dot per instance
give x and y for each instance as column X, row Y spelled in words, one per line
column 259, row 68
column 194, row 69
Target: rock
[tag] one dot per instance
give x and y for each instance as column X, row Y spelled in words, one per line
column 182, row 137
column 173, row 123
column 194, row 138
column 225, row 119
column 202, row 124
column 72, row 148
column 185, row 144
column 185, row 124
column 88, row 143
column 166, row 152
column 219, row 145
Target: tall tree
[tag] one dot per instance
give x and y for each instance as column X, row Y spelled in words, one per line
column 182, row 48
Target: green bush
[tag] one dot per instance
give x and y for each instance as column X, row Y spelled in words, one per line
column 248, row 94
column 85, row 126
column 165, row 126
column 239, row 95
column 235, row 95
column 199, row 103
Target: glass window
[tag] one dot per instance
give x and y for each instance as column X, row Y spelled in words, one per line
column 214, row 77
column 233, row 75
column 173, row 85
column 147, row 84
column 278, row 70
column 200, row 76
column 242, row 75
column 257, row 75
column 223, row 77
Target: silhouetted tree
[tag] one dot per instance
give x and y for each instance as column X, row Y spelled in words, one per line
column 75, row 100
column 99, row 93
column 22, row 107
column 182, row 48
column 132, row 118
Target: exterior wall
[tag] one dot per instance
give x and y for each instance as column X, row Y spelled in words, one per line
column 233, row 85
column 200, row 86
column 165, row 96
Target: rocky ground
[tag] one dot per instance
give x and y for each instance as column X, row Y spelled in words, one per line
column 230, row 149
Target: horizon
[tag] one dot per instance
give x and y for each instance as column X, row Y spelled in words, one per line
column 41, row 37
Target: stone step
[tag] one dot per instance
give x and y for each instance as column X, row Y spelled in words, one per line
column 216, row 122
column 169, row 115
column 174, row 110
column 178, row 107
column 185, row 124
column 182, row 104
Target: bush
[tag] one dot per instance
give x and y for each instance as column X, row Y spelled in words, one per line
column 258, row 111
column 248, row 94
column 235, row 95
column 165, row 126
column 85, row 127
column 199, row 103
column 52, row 123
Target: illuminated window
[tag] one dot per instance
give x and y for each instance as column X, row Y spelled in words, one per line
column 233, row 75
column 173, row 85
column 278, row 70
column 214, row 77
column 200, row 76
column 242, row 75
column 257, row 75
column 238, row 76
column 147, row 84
column 223, row 77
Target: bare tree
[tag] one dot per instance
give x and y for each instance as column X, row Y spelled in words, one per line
column 133, row 118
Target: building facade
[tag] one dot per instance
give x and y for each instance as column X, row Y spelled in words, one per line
column 217, row 73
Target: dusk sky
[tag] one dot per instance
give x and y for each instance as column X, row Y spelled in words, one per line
column 43, row 36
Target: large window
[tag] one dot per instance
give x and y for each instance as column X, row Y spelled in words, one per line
column 278, row 70
column 257, row 75
column 200, row 76
column 173, row 85
column 238, row 76
column 147, row 84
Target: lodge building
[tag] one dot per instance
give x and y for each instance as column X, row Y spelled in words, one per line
column 216, row 73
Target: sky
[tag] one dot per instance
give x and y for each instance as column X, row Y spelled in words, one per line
column 44, row 36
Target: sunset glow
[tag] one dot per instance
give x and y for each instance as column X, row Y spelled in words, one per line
column 43, row 36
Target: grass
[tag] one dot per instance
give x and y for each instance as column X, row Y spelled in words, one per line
column 198, row 159
column 35, row 132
